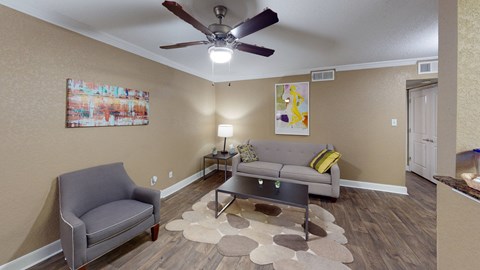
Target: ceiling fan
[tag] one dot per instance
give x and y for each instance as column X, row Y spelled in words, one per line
column 223, row 38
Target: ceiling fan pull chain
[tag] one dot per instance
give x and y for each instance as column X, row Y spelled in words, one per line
column 229, row 63
column 213, row 73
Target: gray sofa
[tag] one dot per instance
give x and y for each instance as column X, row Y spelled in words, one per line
column 100, row 209
column 289, row 161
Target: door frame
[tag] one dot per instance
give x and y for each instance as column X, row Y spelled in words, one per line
column 409, row 121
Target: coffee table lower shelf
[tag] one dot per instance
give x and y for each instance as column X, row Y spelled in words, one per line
column 249, row 188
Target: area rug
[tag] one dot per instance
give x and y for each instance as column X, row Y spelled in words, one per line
column 268, row 233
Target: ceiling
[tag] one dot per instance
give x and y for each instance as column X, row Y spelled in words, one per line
column 311, row 34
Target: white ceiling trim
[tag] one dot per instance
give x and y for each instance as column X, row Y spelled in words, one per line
column 383, row 64
column 80, row 28
column 86, row 30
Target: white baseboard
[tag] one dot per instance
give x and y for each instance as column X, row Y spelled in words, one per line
column 33, row 257
column 374, row 186
column 185, row 182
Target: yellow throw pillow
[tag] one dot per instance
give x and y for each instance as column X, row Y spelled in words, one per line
column 324, row 160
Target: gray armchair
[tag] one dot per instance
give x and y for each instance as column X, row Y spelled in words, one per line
column 100, row 209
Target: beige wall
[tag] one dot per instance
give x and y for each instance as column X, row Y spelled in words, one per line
column 457, row 216
column 447, row 87
column 457, row 230
column 353, row 112
column 35, row 147
column 468, row 76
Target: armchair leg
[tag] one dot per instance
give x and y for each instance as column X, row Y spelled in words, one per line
column 154, row 231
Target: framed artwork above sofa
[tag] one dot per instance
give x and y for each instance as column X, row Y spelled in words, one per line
column 292, row 108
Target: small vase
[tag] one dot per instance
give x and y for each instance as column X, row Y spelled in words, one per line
column 260, row 181
column 277, row 184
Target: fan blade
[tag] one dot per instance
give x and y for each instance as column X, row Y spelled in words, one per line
column 254, row 49
column 176, row 9
column 260, row 21
column 184, row 44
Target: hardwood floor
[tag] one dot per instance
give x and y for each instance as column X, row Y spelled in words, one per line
column 384, row 230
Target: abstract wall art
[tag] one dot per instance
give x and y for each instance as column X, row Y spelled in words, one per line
column 95, row 105
column 292, row 108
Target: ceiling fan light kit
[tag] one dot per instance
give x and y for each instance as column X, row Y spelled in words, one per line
column 220, row 55
column 224, row 39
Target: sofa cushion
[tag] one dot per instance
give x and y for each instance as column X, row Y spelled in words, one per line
column 260, row 168
column 304, row 173
column 247, row 153
column 111, row 219
column 324, row 160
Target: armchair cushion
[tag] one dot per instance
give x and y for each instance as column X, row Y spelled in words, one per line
column 113, row 218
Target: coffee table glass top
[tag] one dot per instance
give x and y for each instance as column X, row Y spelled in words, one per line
column 288, row 193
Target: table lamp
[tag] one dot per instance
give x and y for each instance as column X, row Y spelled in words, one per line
column 225, row 131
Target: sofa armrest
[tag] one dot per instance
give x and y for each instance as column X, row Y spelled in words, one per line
column 335, row 174
column 73, row 235
column 150, row 196
column 235, row 161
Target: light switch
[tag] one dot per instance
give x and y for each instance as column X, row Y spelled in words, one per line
column 394, row 122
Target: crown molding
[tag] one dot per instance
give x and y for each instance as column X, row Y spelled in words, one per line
column 90, row 32
column 350, row 67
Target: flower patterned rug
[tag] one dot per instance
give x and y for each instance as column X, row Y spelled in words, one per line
column 268, row 233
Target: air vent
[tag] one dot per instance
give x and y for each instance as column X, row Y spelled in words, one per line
column 323, row 75
column 428, row 67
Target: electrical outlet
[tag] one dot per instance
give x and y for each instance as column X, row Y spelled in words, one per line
column 170, row 174
column 394, row 122
column 153, row 180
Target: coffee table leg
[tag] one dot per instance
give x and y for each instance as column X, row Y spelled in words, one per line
column 216, row 203
column 217, row 213
column 306, row 224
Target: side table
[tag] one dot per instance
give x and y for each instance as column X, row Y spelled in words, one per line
column 218, row 157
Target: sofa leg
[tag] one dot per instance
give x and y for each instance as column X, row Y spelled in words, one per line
column 154, row 231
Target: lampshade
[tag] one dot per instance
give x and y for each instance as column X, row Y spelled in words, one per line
column 225, row 131
column 220, row 55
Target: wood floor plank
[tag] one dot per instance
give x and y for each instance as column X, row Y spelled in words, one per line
column 384, row 231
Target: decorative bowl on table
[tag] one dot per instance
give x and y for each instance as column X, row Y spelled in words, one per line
column 472, row 180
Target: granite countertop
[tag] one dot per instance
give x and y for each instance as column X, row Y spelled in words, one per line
column 458, row 184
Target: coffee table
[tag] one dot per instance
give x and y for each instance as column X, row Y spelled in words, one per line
column 248, row 187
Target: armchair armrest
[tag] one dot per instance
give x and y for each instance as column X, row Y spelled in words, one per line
column 74, row 239
column 150, row 196
column 335, row 174
column 235, row 161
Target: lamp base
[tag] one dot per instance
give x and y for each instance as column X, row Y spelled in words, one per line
column 224, row 152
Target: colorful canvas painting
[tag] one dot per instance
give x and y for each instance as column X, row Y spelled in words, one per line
column 94, row 105
column 292, row 108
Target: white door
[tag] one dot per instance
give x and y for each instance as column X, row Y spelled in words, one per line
column 422, row 127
